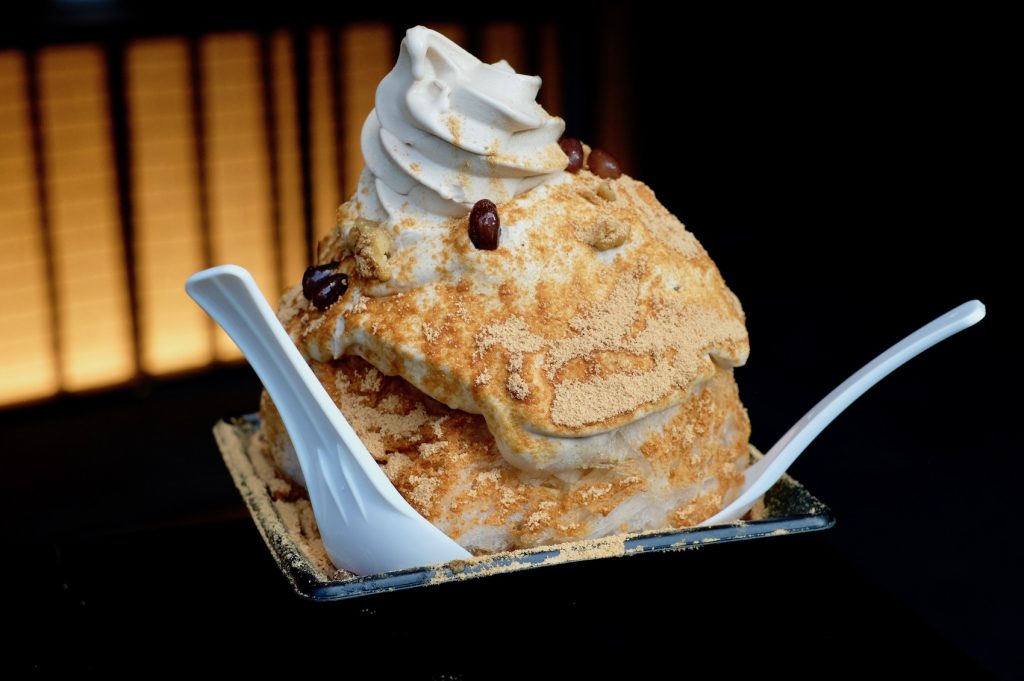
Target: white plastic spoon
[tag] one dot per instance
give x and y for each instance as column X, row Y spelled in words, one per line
column 762, row 475
column 366, row 525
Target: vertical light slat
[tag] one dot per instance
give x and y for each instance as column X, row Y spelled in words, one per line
column 289, row 172
column 504, row 41
column 326, row 194
column 614, row 126
column 367, row 55
column 93, row 310
column 28, row 369
column 238, row 173
column 168, row 238
column 550, row 61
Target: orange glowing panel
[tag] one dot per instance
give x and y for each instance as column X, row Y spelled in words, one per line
column 323, row 155
column 367, row 56
column 238, row 168
column 28, row 367
column 289, row 167
column 175, row 334
column 93, row 311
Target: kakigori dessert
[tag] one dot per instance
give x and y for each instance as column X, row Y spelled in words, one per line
column 530, row 345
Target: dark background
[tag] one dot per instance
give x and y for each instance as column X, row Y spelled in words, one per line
column 851, row 176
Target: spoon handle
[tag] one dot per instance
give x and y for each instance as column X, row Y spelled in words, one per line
column 763, row 474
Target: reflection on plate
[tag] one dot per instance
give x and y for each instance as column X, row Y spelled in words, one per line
column 788, row 508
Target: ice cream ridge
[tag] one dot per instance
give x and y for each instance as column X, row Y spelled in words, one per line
column 530, row 345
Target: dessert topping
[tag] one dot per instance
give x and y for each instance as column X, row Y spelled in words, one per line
column 449, row 129
column 610, row 233
column 603, row 164
column 605, row 191
column 681, row 332
column 484, row 225
column 604, row 234
column 323, row 284
column 370, row 243
column 573, row 148
column 333, row 287
column 314, row 277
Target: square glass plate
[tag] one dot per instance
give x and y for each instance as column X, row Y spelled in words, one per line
column 788, row 508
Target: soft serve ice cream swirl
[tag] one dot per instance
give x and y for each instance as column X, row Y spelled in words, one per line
column 449, row 130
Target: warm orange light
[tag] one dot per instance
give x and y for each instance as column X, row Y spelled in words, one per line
column 93, row 311
column 289, row 171
column 168, row 239
column 28, row 368
column 323, row 154
column 367, row 55
column 237, row 163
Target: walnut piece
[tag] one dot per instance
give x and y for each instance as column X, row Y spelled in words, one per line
column 605, row 234
column 370, row 243
column 605, row 191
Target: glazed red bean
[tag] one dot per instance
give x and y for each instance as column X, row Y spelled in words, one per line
column 314, row 277
column 332, row 288
column 573, row 148
column 603, row 164
column 484, row 225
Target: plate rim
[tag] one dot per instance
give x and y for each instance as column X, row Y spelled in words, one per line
column 309, row 583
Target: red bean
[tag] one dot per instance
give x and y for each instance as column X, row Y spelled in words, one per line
column 573, row 148
column 484, row 225
column 333, row 288
column 314, row 277
column 603, row 164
